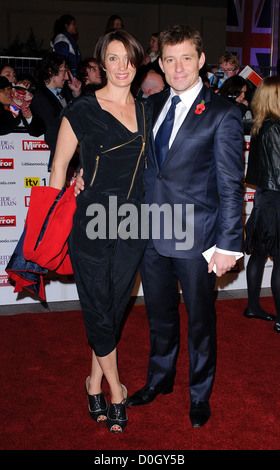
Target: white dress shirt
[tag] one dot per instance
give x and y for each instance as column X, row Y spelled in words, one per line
column 182, row 109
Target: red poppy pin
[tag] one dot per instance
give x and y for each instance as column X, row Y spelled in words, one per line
column 200, row 107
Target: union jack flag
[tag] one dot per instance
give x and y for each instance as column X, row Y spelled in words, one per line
column 249, row 31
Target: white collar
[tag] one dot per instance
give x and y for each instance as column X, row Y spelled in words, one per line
column 189, row 95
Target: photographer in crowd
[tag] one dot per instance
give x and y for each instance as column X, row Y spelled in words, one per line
column 228, row 66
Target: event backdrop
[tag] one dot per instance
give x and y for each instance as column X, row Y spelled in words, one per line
column 23, row 164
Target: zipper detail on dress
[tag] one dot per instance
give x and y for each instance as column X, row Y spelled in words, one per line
column 133, row 178
column 135, row 171
column 95, row 170
column 142, row 151
column 138, row 161
column 122, row 145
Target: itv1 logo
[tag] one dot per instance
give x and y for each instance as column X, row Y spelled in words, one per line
column 31, row 181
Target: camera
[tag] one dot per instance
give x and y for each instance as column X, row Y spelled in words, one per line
column 216, row 78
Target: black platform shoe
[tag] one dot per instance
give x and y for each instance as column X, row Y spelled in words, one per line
column 116, row 416
column 97, row 406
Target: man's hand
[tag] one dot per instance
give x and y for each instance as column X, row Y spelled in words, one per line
column 74, row 84
column 223, row 263
column 79, row 185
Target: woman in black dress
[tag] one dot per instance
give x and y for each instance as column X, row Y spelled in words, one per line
column 263, row 226
column 112, row 129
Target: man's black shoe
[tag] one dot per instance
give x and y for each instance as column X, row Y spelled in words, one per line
column 147, row 395
column 199, row 413
column 266, row 316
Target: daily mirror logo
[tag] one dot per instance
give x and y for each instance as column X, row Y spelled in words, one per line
column 6, row 163
column 4, row 280
column 8, row 221
column 28, row 145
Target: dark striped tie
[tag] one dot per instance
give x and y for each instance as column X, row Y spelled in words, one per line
column 164, row 132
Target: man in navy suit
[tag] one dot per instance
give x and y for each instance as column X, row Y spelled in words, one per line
column 201, row 170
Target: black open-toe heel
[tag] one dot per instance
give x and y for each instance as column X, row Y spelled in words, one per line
column 116, row 416
column 97, row 406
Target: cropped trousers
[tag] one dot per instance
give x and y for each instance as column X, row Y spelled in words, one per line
column 105, row 271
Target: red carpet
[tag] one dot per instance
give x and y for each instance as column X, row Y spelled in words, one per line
column 45, row 359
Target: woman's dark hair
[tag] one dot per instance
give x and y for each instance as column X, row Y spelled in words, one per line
column 134, row 49
column 232, row 87
column 6, row 64
column 59, row 25
column 110, row 23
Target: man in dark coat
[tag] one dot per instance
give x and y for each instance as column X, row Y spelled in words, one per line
column 202, row 174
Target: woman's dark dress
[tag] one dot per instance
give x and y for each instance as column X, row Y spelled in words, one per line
column 105, row 268
column 263, row 226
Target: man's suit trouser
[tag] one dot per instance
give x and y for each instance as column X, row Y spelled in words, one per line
column 160, row 276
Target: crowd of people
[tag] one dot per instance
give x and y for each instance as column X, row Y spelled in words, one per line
column 171, row 146
column 84, row 75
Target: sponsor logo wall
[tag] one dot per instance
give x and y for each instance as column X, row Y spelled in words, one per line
column 23, row 164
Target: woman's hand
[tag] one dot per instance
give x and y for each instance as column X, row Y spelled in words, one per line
column 79, row 185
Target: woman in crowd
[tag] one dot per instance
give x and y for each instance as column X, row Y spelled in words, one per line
column 235, row 89
column 8, row 71
column 263, row 226
column 114, row 22
column 24, row 80
column 64, row 41
column 112, row 129
column 153, row 53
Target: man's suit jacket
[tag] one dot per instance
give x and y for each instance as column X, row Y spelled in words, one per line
column 203, row 168
column 48, row 108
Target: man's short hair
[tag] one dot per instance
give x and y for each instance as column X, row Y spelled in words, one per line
column 229, row 58
column 178, row 34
